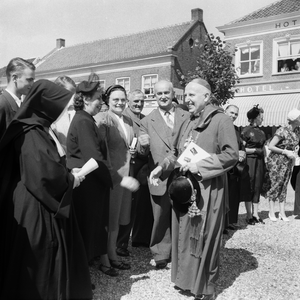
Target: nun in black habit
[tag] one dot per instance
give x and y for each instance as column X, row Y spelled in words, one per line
column 42, row 254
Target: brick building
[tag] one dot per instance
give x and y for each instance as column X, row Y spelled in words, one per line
column 136, row 61
column 268, row 48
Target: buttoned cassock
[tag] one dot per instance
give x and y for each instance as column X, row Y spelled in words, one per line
column 161, row 145
column 196, row 241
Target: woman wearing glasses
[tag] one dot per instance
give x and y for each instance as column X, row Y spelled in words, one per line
column 117, row 131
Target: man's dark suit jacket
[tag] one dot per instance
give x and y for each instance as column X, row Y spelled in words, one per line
column 8, row 109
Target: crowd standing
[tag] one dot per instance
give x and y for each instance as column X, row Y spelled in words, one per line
column 151, row 183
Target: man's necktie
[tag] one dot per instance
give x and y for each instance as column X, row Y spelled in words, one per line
column 168, row 119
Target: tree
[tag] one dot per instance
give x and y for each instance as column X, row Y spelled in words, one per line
column 215, row 66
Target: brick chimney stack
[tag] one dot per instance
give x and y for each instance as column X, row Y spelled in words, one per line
column 197, row 14
column 60, row 43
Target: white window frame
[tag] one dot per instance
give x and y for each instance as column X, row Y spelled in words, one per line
column 123, row 83
column 250, row 45
column 289, row 39
column 151, row 94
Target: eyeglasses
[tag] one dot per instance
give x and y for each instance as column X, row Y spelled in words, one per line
column 118, row 100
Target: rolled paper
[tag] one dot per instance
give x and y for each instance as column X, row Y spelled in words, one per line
column 88, row 167
column 134, row 142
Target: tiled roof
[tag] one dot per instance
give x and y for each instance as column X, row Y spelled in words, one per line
column 273, row 9
column 146, row 43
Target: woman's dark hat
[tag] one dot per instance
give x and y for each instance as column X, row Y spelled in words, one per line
column 110, row 89
column 87, row 87
column 181, row 189
column 254, row 112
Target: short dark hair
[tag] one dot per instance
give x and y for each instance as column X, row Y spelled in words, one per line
column 18, row 64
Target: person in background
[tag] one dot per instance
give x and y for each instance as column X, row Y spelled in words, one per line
column 141, row 219
column 297, row 65
column 175, row 101
column 280, row 163
column 156, row 139
column 295, row 183
column 254, row 140
column 284, row 67
column 42, row 253
column 238, row 180
column 197, row 232
column 61, row 125
column 117, row 131
column 20, row 75
column 91, row 199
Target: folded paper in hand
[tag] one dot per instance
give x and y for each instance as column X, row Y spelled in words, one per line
column 192, row 154
column 88, row 167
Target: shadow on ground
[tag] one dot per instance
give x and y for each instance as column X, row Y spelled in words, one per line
column 111, row 288
column 233, row 262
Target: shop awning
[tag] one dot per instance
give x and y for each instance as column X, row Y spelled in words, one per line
column 276, row 108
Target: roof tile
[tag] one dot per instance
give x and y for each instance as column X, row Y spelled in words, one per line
column 273, row 9
column 120, row 48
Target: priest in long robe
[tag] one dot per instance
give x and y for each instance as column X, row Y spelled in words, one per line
column 196, row 240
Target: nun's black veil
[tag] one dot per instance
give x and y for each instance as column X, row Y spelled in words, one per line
column 41, row 107
column 36, row 186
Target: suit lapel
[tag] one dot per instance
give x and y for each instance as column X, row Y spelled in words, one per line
column 12, row 103
column 119, row 127
column 159, row 125
column 132, row 116
column 179, row 118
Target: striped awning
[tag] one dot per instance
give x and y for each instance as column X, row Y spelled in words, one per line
column 276, row 108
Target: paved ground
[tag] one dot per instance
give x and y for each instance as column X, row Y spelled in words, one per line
column 260, row 262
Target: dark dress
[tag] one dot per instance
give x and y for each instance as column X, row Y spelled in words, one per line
column 255, row 138
column 91, row 198
column 279, row 166
column 295, row 182
column 42, row 254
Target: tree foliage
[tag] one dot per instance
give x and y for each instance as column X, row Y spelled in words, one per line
column 215, row 66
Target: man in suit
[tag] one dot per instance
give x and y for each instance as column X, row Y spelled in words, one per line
column 20, row 77
column 141, row 213
column 238, row 184
column 156, row 138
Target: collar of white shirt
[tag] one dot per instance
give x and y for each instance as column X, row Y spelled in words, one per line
column 18, row 101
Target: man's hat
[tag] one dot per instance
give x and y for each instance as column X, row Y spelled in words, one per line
column 181, row 189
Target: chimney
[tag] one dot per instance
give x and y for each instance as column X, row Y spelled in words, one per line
column 60, row 43
column 197, row 14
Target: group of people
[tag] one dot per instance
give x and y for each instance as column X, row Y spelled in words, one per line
column 290, row 65
column 265, row 167
column 56, row 221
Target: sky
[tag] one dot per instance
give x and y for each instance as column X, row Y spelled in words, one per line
column 29, row 28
